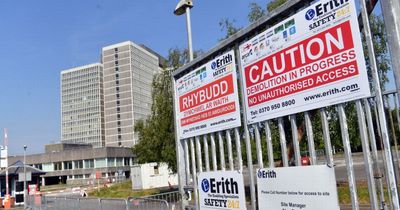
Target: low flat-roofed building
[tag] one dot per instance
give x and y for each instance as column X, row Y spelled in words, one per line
column 78, row 164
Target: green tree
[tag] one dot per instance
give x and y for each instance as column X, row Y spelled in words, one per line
column 379, row 40
column 256, row 12
column 157, row 134
column 229, row 27
column 275, row 4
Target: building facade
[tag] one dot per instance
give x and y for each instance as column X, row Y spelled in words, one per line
column 128, row 73
column 79, row 164
column 82, row 106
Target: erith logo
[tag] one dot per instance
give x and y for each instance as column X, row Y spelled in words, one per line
column 269, row 174
column 323, row 8
column 225, row 186
column 221, row 61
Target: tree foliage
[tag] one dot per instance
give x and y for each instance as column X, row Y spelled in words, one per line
column 229, row 27
column 256, row 12
column 157, row 134
column 379, row 40
column 275, row 4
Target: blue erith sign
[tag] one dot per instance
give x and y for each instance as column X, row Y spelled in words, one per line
column 205, row 185
column 221, row 190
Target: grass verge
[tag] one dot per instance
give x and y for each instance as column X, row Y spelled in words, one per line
column 124, row 190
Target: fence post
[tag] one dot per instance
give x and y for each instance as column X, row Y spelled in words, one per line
column 182, row 179
column 213, row 152
column 206, row 155
column 348, row 158
column 310, row 138
column 390, row 12
column 187, row 168
column 270, row 148
column 127, row 204
column 367, row 155
column 247, row 135
column 394, row 137
column 238, row 150
column 282, row 138
column 295, row 139
column 258, row 146
column 381, row 112
column 327, row 137
column 229, row 144
column 377, row 174
column 193, row 157
column 79, row 204
column 198, row 150
column 221, row 151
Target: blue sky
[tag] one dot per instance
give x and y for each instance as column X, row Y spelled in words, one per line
column 40, row 38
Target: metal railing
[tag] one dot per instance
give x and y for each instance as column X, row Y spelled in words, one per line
column 37, row 202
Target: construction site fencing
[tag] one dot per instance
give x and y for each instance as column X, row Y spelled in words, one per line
column 278, row 141
column 37, row 202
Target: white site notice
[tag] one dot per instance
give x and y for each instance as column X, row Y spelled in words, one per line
column 309, row 60
column 297, row 188
column 221, row 190
column 207, row 98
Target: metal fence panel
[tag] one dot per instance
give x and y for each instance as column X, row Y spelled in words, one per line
column 113, row 204
column 89, row 204
column 147, row 204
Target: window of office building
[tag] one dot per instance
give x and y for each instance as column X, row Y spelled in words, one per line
column 57, row 166
column 38, row 166
column 126, row 161
column 78, row 163
column 111, row 162
column 68, row 165
column 79, row 176
column 100, row 162
column 120, row 161
column 89, row 163
column 48, row 167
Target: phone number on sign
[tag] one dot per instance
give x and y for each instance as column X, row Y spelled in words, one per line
column 273, row 107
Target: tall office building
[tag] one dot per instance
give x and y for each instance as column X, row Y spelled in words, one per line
column 128, row 73
column 82, row 107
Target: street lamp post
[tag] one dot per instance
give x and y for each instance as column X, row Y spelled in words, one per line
column 183, row 7
column 25, row 175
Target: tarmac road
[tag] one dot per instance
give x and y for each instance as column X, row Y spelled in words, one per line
column 340, row 168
